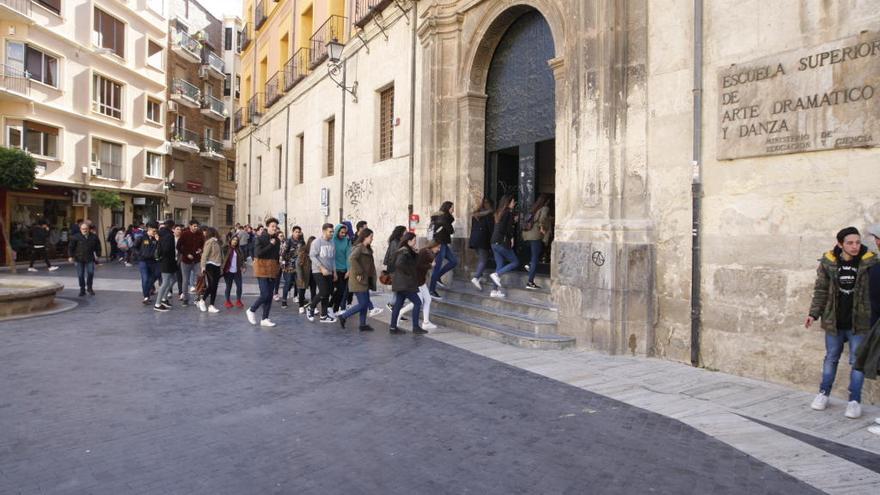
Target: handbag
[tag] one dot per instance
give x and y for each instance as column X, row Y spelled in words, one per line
column 385, row 278
column 201, row 284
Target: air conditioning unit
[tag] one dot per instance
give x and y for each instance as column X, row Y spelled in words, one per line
column 95, row 167
column 203, row 72
column 81, row 197
column 166, row 148
column 172, row 106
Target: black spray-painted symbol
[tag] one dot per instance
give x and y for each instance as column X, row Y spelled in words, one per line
column 598, row 258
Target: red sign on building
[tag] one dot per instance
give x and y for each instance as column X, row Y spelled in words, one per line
column 194, row 186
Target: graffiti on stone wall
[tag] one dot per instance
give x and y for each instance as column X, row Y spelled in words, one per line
column 357, row 193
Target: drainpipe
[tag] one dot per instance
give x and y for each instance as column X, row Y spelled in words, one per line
column 342, row 143
column 286, row 171
column 697, row 185
column 412, row 114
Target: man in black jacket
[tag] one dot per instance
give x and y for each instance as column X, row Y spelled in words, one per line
column 166, row 253
column 84, row 249
column 40, row 239
column 145, row 253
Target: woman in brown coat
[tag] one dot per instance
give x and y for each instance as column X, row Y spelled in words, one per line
column 361, row 279
column 304, row 279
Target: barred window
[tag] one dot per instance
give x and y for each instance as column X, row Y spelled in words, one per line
column 386, row 123
column 331, row 145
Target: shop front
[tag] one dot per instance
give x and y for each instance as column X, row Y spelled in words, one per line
column 23, row 210
column 145, row 209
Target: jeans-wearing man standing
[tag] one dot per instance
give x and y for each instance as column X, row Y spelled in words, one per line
column 84, row 249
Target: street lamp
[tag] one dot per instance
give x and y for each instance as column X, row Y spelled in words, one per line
column 335, row 66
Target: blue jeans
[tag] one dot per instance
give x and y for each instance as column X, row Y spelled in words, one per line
column 149, row 274
column 502, row 254
column 267, row 287
column 537, row 247
column 414, row 298
column 833, row 350
column 230, row 279
column 289, row 281
column 439, row 268
column 482, row 260
column 189, row 272
column 363, row 306
column 86, row 273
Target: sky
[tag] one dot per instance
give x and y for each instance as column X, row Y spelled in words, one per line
column 219, row 8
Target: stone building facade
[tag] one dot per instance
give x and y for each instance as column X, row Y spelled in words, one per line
column 620, row 151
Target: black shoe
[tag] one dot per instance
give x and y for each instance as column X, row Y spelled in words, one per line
column 82, row 292
column 404, row 318
column 395, row 330
column 389, row 306
column 162, row 308
column 283, row 304
column 419, row 331
column 365, row 328
column 532, row 286
column 435, row 295
column 91, row 292
column 166, row 302
column 341, row 320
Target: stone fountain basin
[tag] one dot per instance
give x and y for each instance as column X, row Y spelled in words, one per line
column 21, row 296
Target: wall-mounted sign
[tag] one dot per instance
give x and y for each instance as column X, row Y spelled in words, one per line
column 194, row 186
column 325, row 201
column 138, row 201
column 820, row 98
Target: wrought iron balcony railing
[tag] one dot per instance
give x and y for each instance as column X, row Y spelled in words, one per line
column 14, row 80
column 333, row 28
column 256, row 108
column 273, row 89
column 296, row 68
column 238, row 120
column 246, row 36
column 260, row 14
column 365, row 10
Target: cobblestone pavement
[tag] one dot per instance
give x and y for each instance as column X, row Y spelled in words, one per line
column 113, row 397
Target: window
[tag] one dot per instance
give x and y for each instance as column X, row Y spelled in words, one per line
column 41, row 139
column 154, row 111
column 39, row 66
column 230, row 171
column 154, row 55
column 237, row 87
column 106, row 96
column 180, row 123
column 227, row 38
column 53, row 5
column 331, row 145
column 109, row 32
column 15, row 56
column 107, row 157
column 259, row 174
column 386, row 123
column 227, row 85
column 227, row 131
column 208, row 179
column 301, row 162
column 154, row 165
column 279, row 157
column 209, row 89
column 229, row 215
column 13, row 136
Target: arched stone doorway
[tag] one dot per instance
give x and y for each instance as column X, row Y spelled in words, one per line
column 521, row 118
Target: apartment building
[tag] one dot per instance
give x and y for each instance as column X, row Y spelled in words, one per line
column 200, row 185
column 83, row 88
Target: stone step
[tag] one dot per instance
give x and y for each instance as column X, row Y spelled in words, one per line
column 515, row 293
column 499, row 331
column 532, row 303
column 519, row 319
column 517, row 278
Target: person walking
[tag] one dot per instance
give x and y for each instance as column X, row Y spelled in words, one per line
column 234, row 267
column 534, row 229
column 841, row 299
column 424, row 262
column 190, row 246
column 405, row 283
column 361, row 279
column 442, row 221
column 342, row 247
column 211, row 263
column 502, row 242
column 266, row 249
column 145, row 254
column 167, row 256
column 304, row 279
column 323, row 255
column 84, row 249
column 40, row 243
column 482, row 224
column 289, row 256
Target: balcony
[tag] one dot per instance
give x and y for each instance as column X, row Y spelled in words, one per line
column 212, row 150
column 256, row 109
column 273, row 89
column 239, row 120
column 260, row 14
column 214, row 65
column 366, row 10
column 296, row 69
column 187, row 47
column 15, row 10
column 333, row 28
column 214, row 108
column 14, row 81
column 185, row 93
column 185, row 140
column 245, row 36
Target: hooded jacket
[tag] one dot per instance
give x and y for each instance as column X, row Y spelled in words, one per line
column 343, row 249
column 482, row 225
column 362, row 274
column 323, row 254
column 423, row 265
column 165, row 252
column 826, row 290
column 405, row 277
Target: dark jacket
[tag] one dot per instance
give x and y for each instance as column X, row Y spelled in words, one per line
column 303, row 271
column 482, row 225
column 227, row 258
column 40, row 236
column 443, row 227
column 393, row 246
column 267, row 255
column 165, row 251
column 423, row 265
column 504, row 229
column 405, row 278
column 145, row 249
column 361, row 269
column 190, row 244
column 825, row 292
column 84, row 249
column 868, row 357
column 288, row 253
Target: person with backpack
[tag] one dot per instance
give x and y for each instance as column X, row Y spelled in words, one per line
column 342, row 247
column 84, row 249
column 534, row 229
column 441, row 231
column 167, row 257
column 289, row 256
column 405, row 283
column 145, row 255
column 482, row 225
column 266, row 249
column 361, row 279
column 234, row 266
column 502, row 242
column 304, row 279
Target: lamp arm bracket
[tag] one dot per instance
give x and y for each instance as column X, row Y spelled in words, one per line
column 333, row 70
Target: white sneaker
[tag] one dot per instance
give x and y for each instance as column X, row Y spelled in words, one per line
column 331, row 313
column 877, row 420
column 441, row 284
column 496, row 279
column 267, row 323
column 302, row 309
column 853, row 410
column 820, row 402
column 328, row 319
column 874, row 429
column 53, row 268
column 202, row 306
column 192, row 290
column 375, row 312
column 32, row 269
column 477, row 283
column 276, row 298
column 527, row 266
column 496, row 293
column 128, row 264
column 251, row 316
column 427, row 325
column 212, row 309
